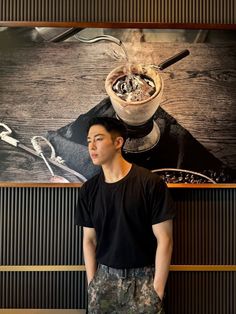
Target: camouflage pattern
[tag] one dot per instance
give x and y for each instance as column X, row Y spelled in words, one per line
column 109, row 293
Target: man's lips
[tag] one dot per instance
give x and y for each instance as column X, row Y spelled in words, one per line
column 93, row 156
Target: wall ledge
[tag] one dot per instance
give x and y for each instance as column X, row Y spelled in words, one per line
column 74, row 185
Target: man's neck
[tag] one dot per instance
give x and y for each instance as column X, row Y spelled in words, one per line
column 116, row 170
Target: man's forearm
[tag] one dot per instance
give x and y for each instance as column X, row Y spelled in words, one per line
column 162, row 263
column 89, row 248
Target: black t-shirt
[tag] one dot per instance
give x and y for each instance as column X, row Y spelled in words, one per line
column 122, row 214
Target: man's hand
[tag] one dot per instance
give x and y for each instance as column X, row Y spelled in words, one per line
column 89, row 248
column 163, row 233
column 160, row 292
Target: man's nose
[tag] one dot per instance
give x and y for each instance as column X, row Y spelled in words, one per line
column 92, row 145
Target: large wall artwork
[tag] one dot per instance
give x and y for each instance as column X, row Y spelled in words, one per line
column 180, row 116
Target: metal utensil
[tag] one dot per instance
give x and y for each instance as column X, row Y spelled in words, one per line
column 98, row 38
column 163, row 65
column 5, row 136
column 38, row 149
column 103, row 37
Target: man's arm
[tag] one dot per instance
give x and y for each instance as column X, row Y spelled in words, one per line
column 163, row 233
column 89, row 248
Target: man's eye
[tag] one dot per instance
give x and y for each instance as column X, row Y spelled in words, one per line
column 98, row 138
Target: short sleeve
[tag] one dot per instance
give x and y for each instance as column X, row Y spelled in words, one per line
column 161, row 202
column 82, row 216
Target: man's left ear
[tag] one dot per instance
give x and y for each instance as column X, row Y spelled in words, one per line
column 119, row 141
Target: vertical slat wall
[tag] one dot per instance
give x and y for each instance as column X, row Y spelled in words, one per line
column 162, row 11
column 201, row 293
column 204, row 234
column 46, row 290
column 36, row 228
column 205, row 227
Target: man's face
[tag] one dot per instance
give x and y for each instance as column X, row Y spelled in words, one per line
column 102, row 148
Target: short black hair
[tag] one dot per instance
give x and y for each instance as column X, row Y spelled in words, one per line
column 112, row 125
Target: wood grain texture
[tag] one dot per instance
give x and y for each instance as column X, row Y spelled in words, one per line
column 46, row 86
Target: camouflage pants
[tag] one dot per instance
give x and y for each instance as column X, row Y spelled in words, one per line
column 110, row 293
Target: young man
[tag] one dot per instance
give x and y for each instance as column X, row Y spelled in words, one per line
column 126, row 213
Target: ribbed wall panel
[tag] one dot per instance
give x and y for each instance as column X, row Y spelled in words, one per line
column 43, row 290
column 162, row 11
column 37, row 228
column 201, row 293
column 205, row 227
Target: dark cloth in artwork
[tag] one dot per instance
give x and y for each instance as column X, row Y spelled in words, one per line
column 177, row 148
column 122, row 214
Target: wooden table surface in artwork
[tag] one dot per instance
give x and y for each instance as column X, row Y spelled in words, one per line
column 48, row 85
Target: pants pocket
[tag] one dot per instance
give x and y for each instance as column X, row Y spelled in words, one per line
column 155, row 298
column 93, row 280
